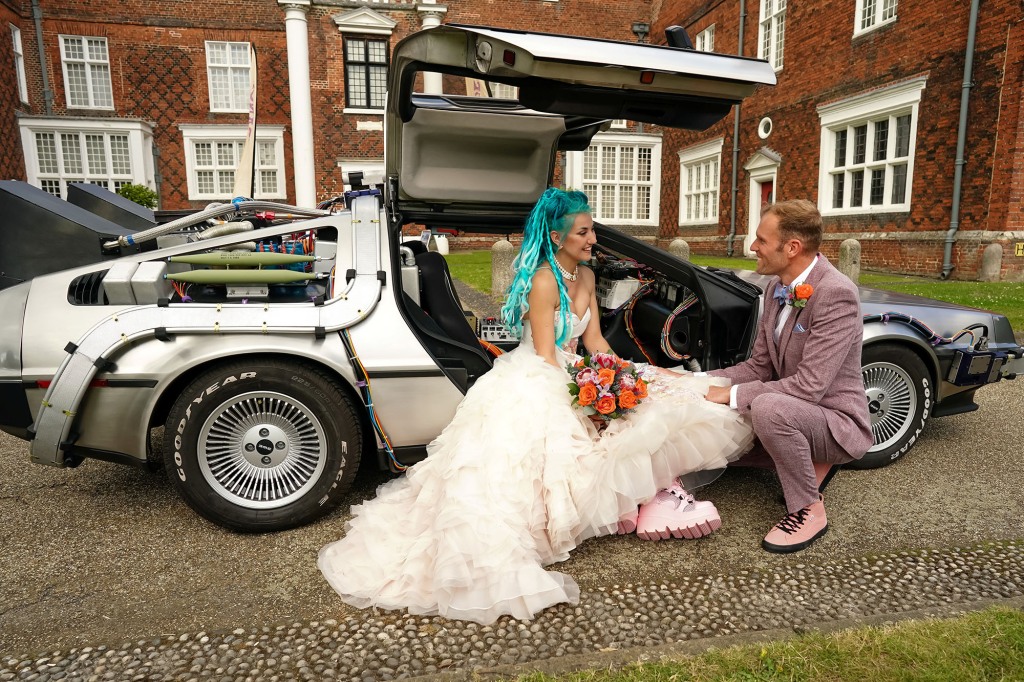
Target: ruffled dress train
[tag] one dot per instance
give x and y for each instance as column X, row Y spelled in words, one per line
column 515, row 482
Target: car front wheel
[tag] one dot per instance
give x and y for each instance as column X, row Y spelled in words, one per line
column 899, row 394
column 262, row 445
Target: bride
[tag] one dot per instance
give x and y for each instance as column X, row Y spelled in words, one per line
column 519, row 478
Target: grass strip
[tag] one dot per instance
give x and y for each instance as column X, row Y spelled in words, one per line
column 985, row 645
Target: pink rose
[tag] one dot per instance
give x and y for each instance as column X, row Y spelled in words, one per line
column 586, row 376
column 604, row 360
column 627, row 382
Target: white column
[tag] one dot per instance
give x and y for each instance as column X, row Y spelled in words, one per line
column 430, row 16
column 302, row 110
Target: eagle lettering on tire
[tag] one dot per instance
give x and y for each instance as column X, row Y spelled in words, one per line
column 263, row 444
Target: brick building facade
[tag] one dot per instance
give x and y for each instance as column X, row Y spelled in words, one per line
column 864, row 120
column 150, row 92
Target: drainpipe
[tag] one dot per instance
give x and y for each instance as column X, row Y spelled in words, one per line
column 736, row 144
column 961, row 138
column 37, row 18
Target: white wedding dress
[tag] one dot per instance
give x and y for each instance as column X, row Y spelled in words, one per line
column 517, row 480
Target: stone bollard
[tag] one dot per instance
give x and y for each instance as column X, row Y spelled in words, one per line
column 502, row 255
column 849, row 259
column 991, row 263
column 680, row 249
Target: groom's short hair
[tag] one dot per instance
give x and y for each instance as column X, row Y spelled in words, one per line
column 798, row 219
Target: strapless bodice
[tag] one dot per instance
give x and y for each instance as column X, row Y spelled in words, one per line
column 579, row 325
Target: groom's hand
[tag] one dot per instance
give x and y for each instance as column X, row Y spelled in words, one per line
column 718, row 394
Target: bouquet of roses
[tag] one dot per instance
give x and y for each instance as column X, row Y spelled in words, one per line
column 605, row 385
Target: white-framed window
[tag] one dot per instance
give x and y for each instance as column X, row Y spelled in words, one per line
column 867, row 150
column 771, row 32
column 700, row 172
column 366, row 73
column 619, row 124
column 108, row 153
column 227, row 72
column 621, row 175
column 705, row 40
column 86, row 65
column 503, row 91
column 19, row 63
column 212, row 154
column 873, row 13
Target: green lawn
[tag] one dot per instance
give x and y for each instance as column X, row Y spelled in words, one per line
column 988, row 645
column 1006, row 298
column 472, row 267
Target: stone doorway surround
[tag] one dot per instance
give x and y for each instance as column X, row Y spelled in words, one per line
column 763, row 171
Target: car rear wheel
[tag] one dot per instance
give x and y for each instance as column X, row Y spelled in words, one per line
column 899, row 395
column 262, row 445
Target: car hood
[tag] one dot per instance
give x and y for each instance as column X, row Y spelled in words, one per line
column 457, row 160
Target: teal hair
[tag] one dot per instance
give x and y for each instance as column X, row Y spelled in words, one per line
column 555, row 211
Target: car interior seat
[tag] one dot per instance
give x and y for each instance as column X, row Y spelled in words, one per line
column 457, row 343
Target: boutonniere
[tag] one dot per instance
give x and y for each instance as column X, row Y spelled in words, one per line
column 795, row 295
column 799, row 294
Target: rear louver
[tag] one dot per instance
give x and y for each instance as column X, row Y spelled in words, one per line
column 87, row 289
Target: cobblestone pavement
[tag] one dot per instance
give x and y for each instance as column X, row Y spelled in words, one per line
column 106, row 575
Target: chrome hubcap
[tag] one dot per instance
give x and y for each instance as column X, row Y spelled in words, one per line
column 262, row 450
column 892, row 402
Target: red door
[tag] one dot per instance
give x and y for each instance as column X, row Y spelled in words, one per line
column 767, row 192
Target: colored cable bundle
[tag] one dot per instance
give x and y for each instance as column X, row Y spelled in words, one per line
column 181, row 288
column 628, row 318
column 363, row 382
column 666, row 347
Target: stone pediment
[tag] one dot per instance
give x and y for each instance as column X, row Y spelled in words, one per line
column 365, row 20
column 762, row 158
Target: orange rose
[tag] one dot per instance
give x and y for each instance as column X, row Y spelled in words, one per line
column 640, row 389
column 803, row 292
column 588, row 394
column 627, row 400
column 605, row 405
column 605, row 376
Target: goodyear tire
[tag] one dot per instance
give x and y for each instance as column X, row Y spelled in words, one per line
column 899, row 394
column 262, row 445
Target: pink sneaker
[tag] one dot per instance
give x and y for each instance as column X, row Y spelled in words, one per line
column 798, row 530
column 627, row 524
column 673, row 513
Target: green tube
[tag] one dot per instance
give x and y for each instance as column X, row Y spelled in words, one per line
column 241, row 276
column 228, row 258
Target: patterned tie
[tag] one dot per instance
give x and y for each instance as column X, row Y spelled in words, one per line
column 781, row 293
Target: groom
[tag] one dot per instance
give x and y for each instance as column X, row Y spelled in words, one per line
column 802, row 386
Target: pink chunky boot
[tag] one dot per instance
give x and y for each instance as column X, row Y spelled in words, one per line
column 627, row 524
column 673, row 513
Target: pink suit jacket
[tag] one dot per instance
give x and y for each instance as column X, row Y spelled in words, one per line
column 817, row 357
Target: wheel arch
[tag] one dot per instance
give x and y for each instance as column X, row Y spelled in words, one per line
column 876, row 334
column 173, row 389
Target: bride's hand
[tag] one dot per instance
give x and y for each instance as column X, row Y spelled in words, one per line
column 599, row 422
column 669, row 374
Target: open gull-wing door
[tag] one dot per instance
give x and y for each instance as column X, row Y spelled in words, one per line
column 452, row 159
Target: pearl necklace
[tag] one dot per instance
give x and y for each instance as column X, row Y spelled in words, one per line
column 565, row 273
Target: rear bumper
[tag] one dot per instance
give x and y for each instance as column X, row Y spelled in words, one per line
column 15, row 416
